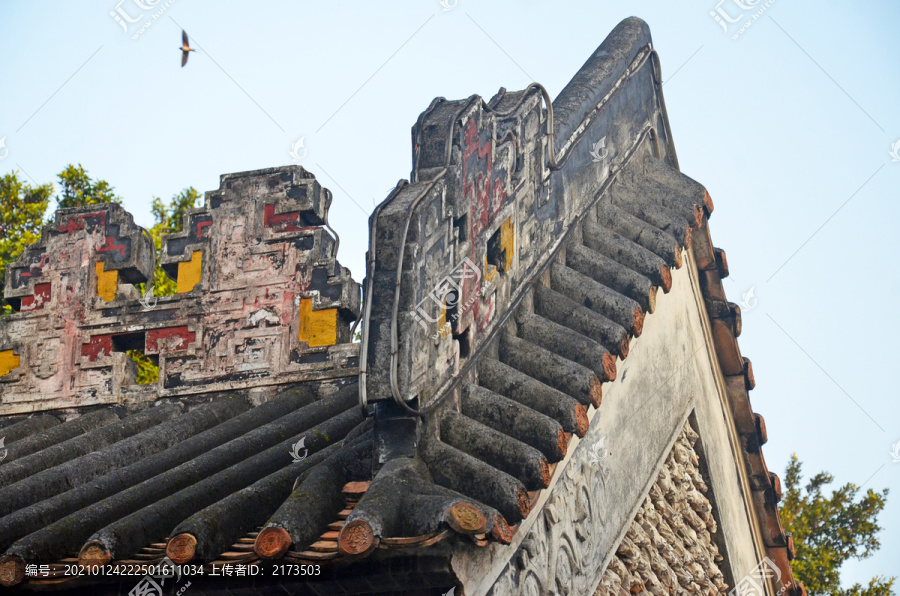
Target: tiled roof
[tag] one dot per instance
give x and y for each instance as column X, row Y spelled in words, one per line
column 122, row 486
column 534, row 385
column 292, row 477
column 113, row 489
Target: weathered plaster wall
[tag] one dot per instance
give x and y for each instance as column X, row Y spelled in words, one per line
column 671, row 371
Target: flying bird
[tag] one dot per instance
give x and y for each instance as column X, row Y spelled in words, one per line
column 185, row 48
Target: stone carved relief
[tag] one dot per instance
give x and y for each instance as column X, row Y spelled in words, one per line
column 670, row 547
column 560, row 549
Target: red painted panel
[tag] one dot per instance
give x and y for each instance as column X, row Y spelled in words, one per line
column 283, row 222
column 484, row 195
column 185, row 336
column 38, row 300
column 481, row 191
column 97, row 346
column 77, row 222
column 110, row 246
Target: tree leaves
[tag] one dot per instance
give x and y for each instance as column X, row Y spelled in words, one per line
column 22, row 208
column 78, row 189
column 169, row 220
column 828, row 530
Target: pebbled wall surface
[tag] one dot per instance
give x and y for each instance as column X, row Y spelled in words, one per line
column 671, row 545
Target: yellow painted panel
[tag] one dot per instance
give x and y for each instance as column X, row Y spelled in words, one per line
column 317, row 327
column 107, row 283
column 490, row 272
column 190, row 272
column 444, row 327
column 9, row 361
column 508, row 241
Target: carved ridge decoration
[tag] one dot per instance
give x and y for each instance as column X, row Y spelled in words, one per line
column 561, row 548
column 669, row 548
column 262, row 299
column 466, row 221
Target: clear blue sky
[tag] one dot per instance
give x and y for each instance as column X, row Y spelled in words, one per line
column 789, row 127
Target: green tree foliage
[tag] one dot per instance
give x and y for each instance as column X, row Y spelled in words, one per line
column 147, row 370
column 78, row 189
column 828, row 530
column 168, row 219
column 22, row 208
